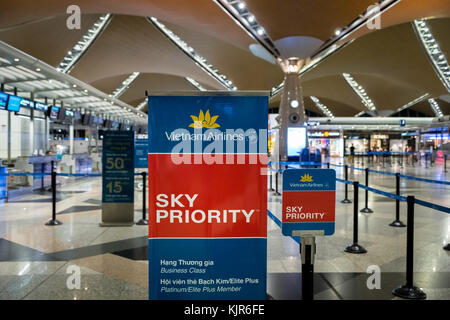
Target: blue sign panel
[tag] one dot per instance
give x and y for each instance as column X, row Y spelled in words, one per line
column 141, row 153
column 3, row 189
column 118, row 166
column 309, row 199
column 207, row 226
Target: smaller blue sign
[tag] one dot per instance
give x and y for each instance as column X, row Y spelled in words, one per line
column 141, row 154
column 309, row 200
column 3, row 189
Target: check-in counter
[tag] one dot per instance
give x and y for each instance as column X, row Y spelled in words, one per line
column 76, row 163
column 36, row 164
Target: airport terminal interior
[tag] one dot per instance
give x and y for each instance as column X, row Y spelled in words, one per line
column 355, row 88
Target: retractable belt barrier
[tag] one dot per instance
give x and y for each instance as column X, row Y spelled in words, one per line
column 401, row 175
column 30, row 174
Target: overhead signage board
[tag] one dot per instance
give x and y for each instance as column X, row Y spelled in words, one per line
column 141, row 153
column 207, row 167
column 118, row 178
column 309, row 198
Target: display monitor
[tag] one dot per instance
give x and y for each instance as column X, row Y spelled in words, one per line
column 296, row 141
column 62, row 114
column 14, row 103
column 54, row 112
column 27, row 103
column 40, row 107
column 3, row 100
column 86, row 118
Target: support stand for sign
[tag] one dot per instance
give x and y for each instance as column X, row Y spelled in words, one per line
column 366, row 209
column 355, row 247
column 346, row 200
column 409, row 291
column 53, row 221
column 397, row 223
column 307, row 252
column 144, row 221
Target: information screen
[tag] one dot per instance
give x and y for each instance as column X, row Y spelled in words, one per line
column 40, row 106
column 296, row 140
column 14, row 103
column 3, row 100
column 54, row 112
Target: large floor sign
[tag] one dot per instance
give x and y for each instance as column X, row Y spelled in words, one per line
column 207, row 196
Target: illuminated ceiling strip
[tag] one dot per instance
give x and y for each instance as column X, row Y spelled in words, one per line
column 359, row 114
column 322, row 107
column 83, row 45
column 435, row 106
column 359, row 90
column 195, row 84
column 237, row 10
column 434, row 53
column 142, row 104
column 413, row 102
column 331, row 45
column 190, row 52
column 125, row 85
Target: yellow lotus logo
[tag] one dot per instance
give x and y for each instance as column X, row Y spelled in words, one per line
column 306, row 178
column 204, row 121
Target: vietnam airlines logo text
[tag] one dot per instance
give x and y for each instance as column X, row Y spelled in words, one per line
column 306, row 178
column 204, row 121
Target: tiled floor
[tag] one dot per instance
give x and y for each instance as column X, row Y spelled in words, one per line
column 35, row 259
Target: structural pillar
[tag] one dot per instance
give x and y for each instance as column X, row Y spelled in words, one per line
column 292, row 109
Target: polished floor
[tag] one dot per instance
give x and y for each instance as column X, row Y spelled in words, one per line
column 35, row 259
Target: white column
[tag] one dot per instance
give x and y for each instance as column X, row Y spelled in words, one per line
column 71, row 131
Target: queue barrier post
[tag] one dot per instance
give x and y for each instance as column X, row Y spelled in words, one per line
column 409, row 291
column 53, row 221
column 276, row 184
column 328, row 165
column 366, row 208
column 397, row 223
column 346, row 200
column 270, row 179
column 445, row 163
column 144, row 221
column 355, row 247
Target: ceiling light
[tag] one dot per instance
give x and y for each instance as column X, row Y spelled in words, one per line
column 337, row 32
column 38, row 69
column 251, row 18
column 434, row 53
column 413, row 102
column 435, row 106
column 125, row 85
column 294, row 104
column 260, row 31
column 74, row 85
column 199, row 60
column 359, row 90
column 74, row 55
column 241, row 5
column 16, row 59
column 322, row 107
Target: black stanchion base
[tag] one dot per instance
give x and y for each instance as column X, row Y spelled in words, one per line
column 447, row 247
column 366, row 210
column 142, row 222
column 406, row 292
column 277, row 194
column 346, row 201
column 355, row 248
column 52, row 222
column 397, row 224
